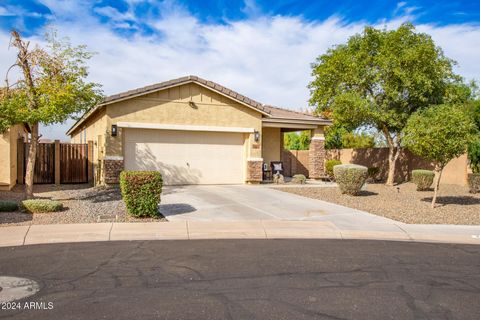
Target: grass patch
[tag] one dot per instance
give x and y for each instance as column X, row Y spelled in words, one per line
column 41, row 205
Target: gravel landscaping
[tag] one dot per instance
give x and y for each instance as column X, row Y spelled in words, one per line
column 403, row 203
column 82, row 204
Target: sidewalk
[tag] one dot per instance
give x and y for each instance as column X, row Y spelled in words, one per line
column 255, row 229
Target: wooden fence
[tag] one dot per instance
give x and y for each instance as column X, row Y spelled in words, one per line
column 73, row 163
column 58, row 163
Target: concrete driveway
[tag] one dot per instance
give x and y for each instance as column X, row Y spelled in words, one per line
column 246, row 202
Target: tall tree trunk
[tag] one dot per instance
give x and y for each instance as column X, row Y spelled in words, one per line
column 32, row 152
column 393, row 153
column 24, row 63
column 437, row 185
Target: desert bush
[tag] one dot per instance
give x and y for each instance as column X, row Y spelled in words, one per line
column 350, row 177
column 474, row 182
column 423, row 179
column 278, row 178
column 299, row 178
column 8, row 206
column 473, row 153
column 474, row 160
column 41, row 205
column 329, row 164
column 141, row 192
column 373, row 172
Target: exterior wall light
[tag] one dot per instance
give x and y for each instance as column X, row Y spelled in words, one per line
column 114, row 131
column 256, row 135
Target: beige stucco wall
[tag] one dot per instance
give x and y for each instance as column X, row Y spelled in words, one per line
column 454, row 173
column 94, row 129
column 271, row 144
column 171, row 106
column 8, row 159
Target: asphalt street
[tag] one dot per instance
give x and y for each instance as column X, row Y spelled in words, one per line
column 246, row 279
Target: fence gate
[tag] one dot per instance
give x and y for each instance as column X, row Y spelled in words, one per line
column 73, row 163
column 68, row 164
column 44, row 171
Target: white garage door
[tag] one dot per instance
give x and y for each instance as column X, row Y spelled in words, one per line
column 186, row 157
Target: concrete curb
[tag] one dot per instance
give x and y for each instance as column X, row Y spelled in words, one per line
column 257, row 229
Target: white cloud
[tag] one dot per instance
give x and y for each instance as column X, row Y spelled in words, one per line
column 265, row 58
column 460, row 43
column 4, row 12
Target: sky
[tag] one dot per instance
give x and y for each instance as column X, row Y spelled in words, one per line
column 262, row 49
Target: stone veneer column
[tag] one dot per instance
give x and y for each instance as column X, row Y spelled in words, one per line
column 112, row 166
column 254, row 170
column 316, row 157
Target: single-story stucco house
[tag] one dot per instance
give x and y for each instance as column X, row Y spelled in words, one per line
column 194, row 131
column 9, row 143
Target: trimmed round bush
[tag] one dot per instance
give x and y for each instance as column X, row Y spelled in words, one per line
column 41, row 205
column 299, row 178
column 141, row 192
column 329, row 164
column 474, row 182
column 350, row 177
column 8, row 206
column 423, row 179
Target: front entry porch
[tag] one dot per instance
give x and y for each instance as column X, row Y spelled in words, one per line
column 307, row 162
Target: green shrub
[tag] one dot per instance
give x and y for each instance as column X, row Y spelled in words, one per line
column 474, row 156
column 329, row 164
column 474, row 182
column 373, row 172
column 474, row 160
column 350, row 177
column 8, row 206
column 141, row 192
column 299, row 178
column 41, row 205
column 423, row 179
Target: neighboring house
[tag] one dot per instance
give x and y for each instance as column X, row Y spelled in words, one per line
column 9, row 143
column 192, row 130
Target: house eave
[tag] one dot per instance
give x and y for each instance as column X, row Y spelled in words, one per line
column 158, row 126
column 296, row 121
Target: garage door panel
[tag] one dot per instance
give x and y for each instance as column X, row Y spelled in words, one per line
column 186, row 157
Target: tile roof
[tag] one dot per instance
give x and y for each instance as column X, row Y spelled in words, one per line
column 277, row 112
column 213, row 85
column 268, row 110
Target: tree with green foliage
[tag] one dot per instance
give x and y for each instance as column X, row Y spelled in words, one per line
column 439, row 134
column 337, row 137
column 379, row 78
column 296, row 141
column 333, row 137
column 353, row 140
column 52, row 86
